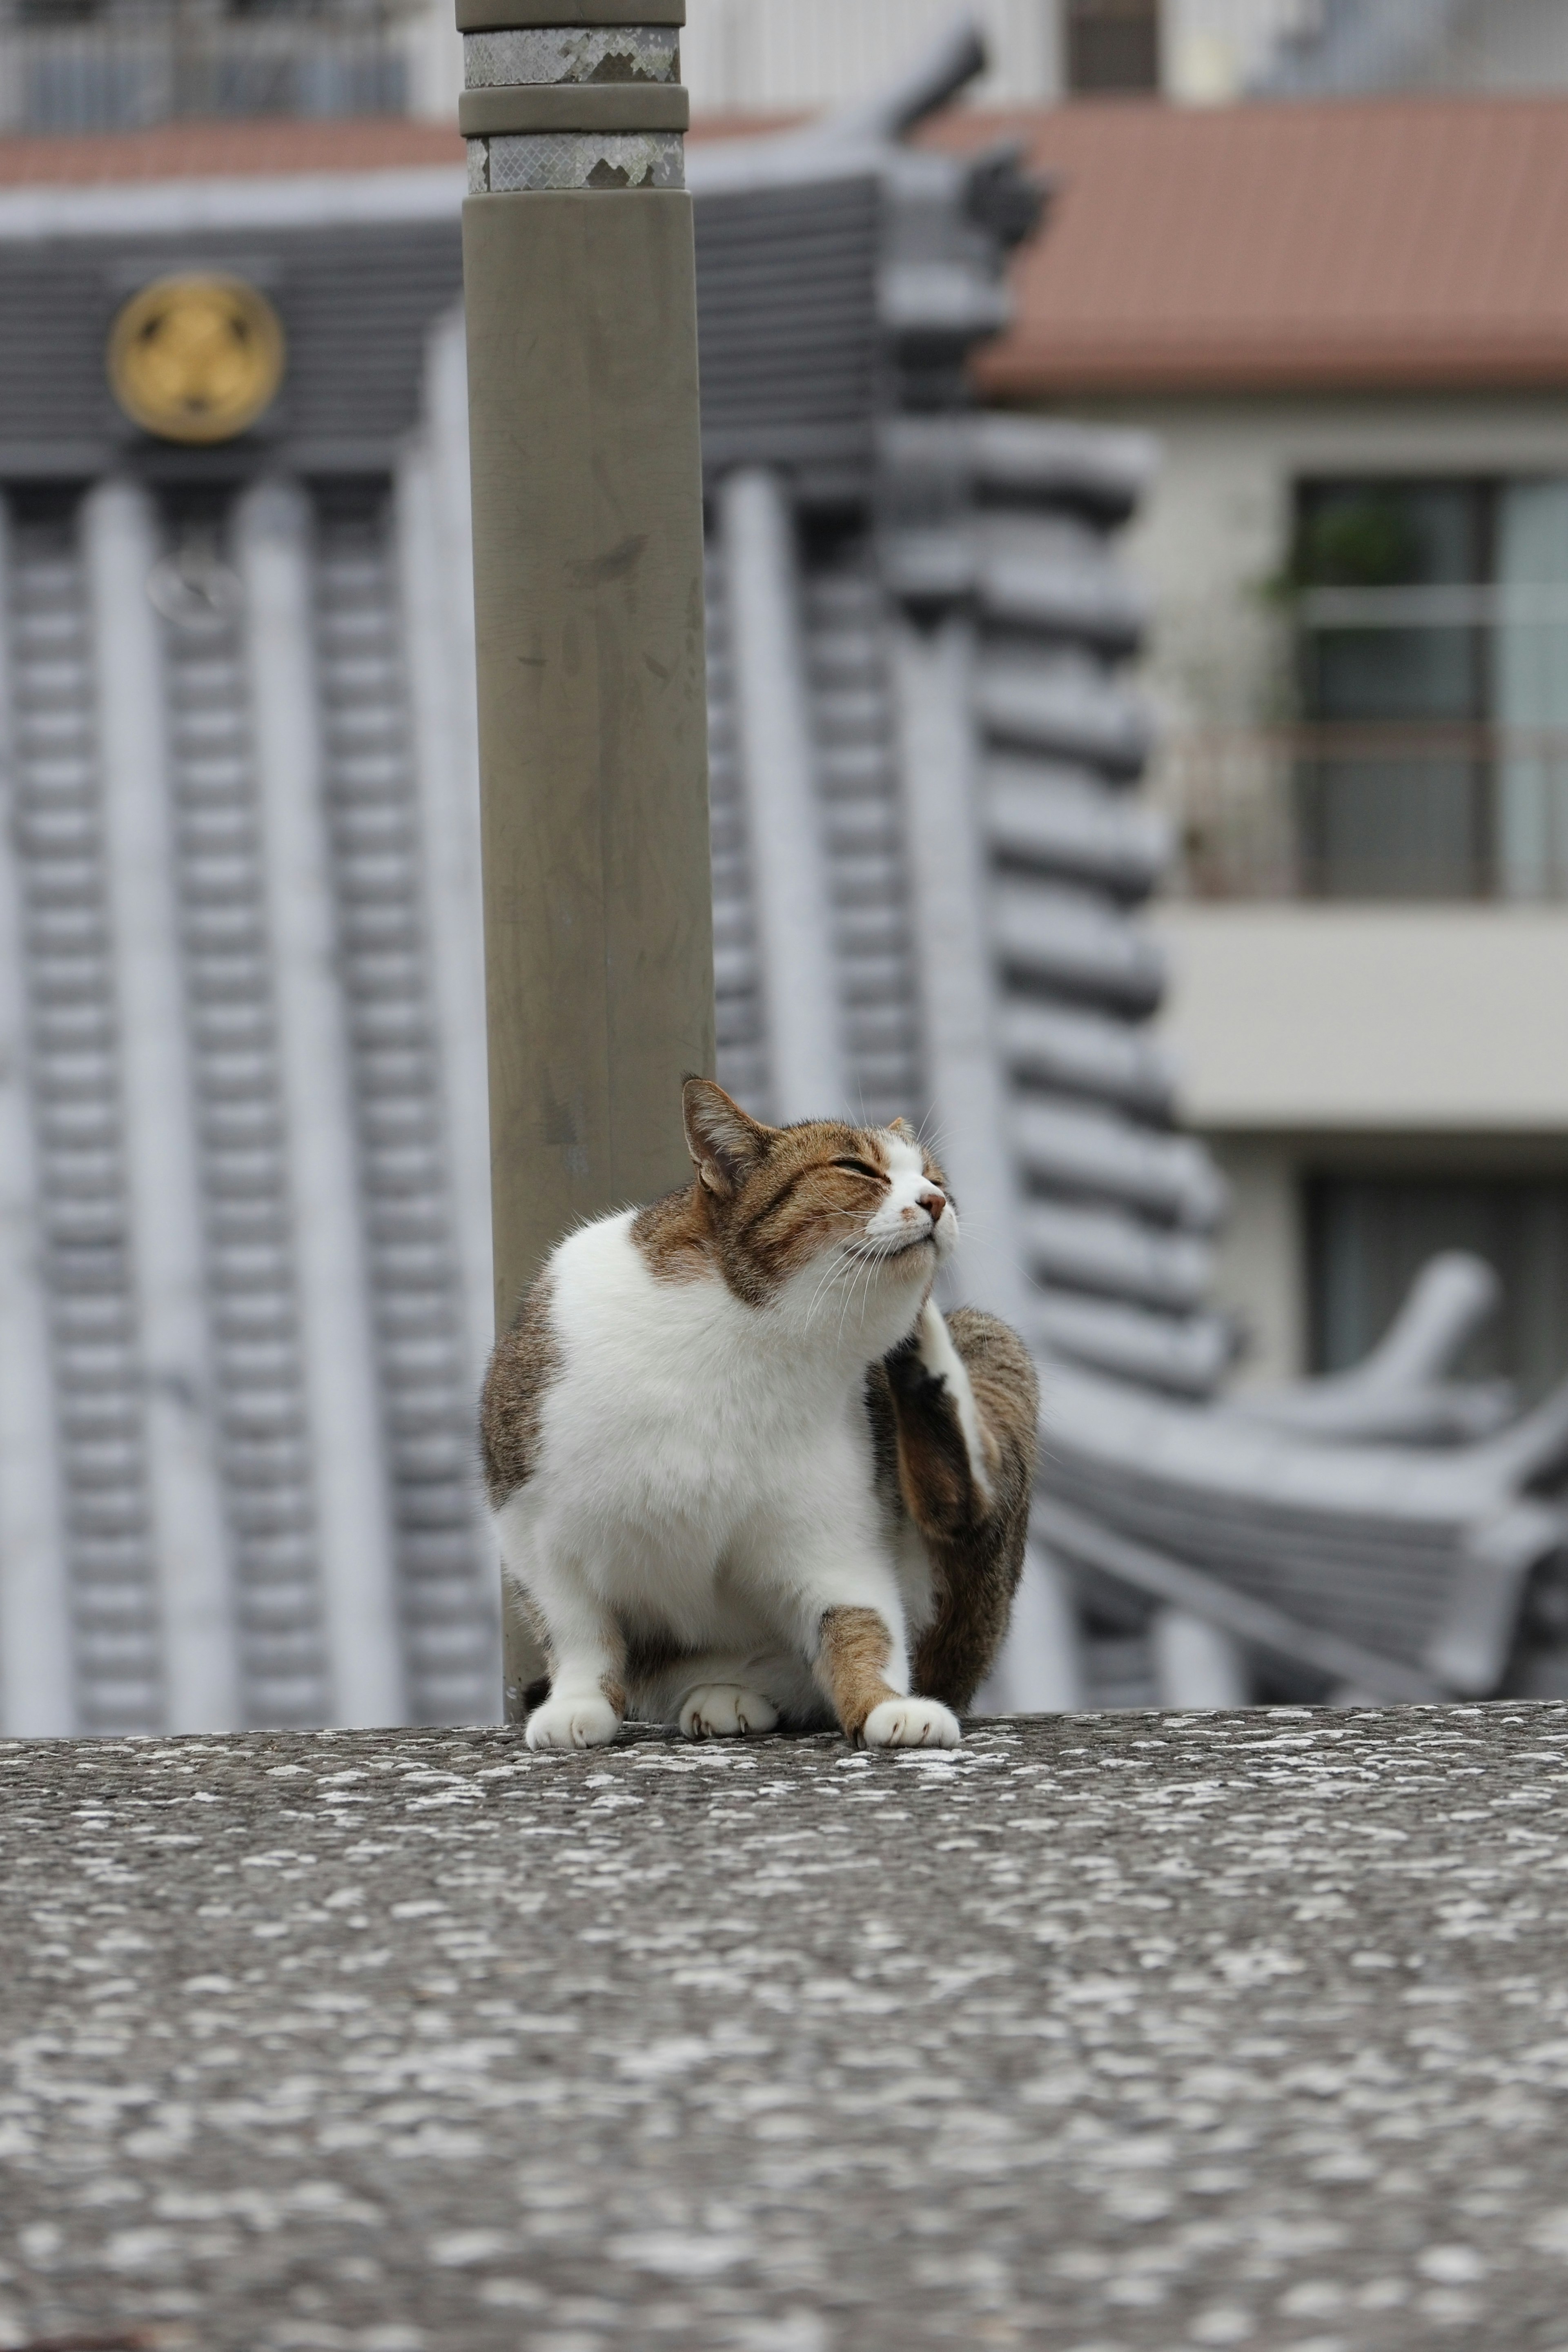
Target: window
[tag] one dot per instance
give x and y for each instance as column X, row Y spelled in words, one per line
column 1434, row 682
column 1368, row 1237
column 1112, row 47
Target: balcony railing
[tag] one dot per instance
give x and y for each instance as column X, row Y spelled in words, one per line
column 1422, row 812
column 126, row 73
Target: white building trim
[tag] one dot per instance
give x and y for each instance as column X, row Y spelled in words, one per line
column 120, row 547
column 778, row 782
column 1386, row 1019
column 360, row 1595
column 185, row 207
column 37, row 1695
column 436, row 566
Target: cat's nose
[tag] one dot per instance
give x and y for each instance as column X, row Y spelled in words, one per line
column 934, row 1203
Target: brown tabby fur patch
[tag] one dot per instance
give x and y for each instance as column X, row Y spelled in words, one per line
column 525, row 1361
column 673, row 1236
column 852, row 1651
column 975, row 1546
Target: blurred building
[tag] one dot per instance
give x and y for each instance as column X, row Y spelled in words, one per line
column 243, row 1184
column 114, row 65
column 245, row 1291
column 245, row 1284
column 1346, row 325
column 759, row 54
column 123, row 65
column 1343, row 48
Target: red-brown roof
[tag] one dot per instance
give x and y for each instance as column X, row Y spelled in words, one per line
column 219, row 151
column 1378, row 244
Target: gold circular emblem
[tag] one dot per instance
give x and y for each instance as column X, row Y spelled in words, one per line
column 195, row 359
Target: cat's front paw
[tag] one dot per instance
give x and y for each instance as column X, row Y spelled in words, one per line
column 587, row 1720
column 726, row 1711
column 911, row 1723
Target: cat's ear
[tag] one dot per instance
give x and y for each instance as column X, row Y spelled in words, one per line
column 902, row 1128
column 723, row 1140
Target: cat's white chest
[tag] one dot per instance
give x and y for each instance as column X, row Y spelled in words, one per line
column 682, row 1432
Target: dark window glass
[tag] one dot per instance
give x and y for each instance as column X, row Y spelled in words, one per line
column 1370, row 1237
column 1112, row 46
column 1394, row 798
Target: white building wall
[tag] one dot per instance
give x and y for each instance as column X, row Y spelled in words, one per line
column 740, row 55
column 758, row 56
column 1380, row 1019
column 1215, row 48
column 434, row 53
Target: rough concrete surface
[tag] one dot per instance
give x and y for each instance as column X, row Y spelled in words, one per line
column 1105, row 2031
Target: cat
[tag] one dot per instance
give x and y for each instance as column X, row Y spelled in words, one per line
column 744, row 1474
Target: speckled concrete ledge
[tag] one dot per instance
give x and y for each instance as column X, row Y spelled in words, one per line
column 1106, row 2033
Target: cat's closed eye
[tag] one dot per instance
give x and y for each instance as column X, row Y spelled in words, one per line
column 862, row 1168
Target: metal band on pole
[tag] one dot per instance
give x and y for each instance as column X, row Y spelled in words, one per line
column 587, row 515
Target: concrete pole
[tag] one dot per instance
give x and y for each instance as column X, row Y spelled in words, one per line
column 587, row 512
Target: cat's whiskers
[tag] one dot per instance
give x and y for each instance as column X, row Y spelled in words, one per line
column 869, row 1260
column 835, row 1267
column 844, row 1270
column 847, row 1263
column 839, row 1263
column 844, row 1311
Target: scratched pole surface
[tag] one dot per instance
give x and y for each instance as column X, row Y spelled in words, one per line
column 1134, row 2033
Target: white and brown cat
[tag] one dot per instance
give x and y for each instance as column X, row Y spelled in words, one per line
column 743, row 1470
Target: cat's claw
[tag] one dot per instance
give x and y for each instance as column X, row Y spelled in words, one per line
column 586, row 1721
column 726, row 1711
column 911, row 1723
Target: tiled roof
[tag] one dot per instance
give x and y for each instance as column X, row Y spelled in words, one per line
column 1404, row 243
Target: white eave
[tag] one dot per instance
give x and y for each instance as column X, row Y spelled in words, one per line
column 284, row 200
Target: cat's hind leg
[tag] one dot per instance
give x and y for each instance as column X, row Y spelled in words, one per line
column 729, row 1692
column 719, row 1708
column 965, row 1401
column 721, row 1694
column 946, row 1453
